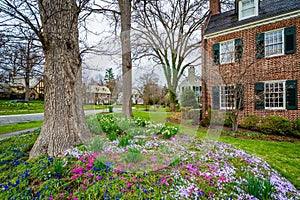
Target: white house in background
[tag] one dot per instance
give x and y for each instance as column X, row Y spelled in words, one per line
column 192, row 82
column 136, row 97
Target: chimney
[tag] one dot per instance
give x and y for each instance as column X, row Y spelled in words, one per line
column 191, row 72
column 214, row 7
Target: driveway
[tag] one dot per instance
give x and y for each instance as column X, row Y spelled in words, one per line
column 13, row 119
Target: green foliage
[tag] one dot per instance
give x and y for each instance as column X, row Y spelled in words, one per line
column 169, row 131
column 109, row 75
column 123, row 141
column 275, row 125
column 134, row 155
column 58, row 166
column 250, row 122
column 188, row 99
column 97, row 145
column 296, row 128
column 112, row 136
column 261, row 189
column 7, row 108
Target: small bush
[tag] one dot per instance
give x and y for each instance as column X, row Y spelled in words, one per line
column 275, row 125
column 194, row 114
column 250, row 122
column 296, row 128
column 189, row 99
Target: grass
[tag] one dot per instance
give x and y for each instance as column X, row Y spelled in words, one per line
column 157, row 117
column 20, row 126
column 98, row 107
column 7, row 108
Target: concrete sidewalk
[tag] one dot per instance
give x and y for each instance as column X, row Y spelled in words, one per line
column 6, row 135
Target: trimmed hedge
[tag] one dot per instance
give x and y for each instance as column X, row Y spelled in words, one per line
column 275, row 125
column 250, row 122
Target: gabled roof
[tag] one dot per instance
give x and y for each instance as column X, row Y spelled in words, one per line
column 18, row 81
column 267, row 9
column 98, row 89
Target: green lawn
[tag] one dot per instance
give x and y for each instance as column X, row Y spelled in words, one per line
column 19, row 126
column 7, row 108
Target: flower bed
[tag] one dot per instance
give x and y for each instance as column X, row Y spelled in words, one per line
column 147, row 167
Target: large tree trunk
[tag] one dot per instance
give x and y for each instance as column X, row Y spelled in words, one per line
column 64, row 119
column 125, row 8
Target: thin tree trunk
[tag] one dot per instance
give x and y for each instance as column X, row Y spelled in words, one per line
column 64, row 119
column 27, row 89
column 172, row 99
column 125, row 8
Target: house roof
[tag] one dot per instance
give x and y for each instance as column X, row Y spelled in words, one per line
column 98, row 89
column 18, row 81
column 4, row 87
column 267, row 9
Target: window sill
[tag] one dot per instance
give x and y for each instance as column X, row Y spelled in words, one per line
column 274, row 56
column 275, row 109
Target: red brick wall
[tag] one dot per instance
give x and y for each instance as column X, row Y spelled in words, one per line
column 285, row 67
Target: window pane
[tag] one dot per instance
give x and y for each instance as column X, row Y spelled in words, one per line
column 227, row 52
column 274, row 95
column 273, row 43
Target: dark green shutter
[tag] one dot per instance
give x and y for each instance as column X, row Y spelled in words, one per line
column 215, row 97
column 240, row 91
column 260, row 46
column 290, row 40
column 259, row 96
column 238, row 43
column 291, row 94
column 216, row 53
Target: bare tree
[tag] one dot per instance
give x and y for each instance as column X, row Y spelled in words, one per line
column 169, row 31
column 120, row 13
column 149, row 89
column 55, row 23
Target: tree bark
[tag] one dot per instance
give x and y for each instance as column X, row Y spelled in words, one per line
column 172, row 98
column 125, row 9
column 64, row 119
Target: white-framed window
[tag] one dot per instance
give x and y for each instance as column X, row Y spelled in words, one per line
column 275, row 95
column 227, row 100
column 227, row 52
column 247, row 9
column 274, row 43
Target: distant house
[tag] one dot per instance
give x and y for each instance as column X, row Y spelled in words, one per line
column 4, row 91
column 192, row 82
column 17, row 87
column 96, row 94
column 254, row 48
column 137, row 97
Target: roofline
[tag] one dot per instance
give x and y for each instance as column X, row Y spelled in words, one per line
column 253, row 24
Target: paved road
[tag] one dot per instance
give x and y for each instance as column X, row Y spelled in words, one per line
column 13, row 119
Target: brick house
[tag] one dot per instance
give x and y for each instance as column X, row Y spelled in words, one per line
column 251, row 58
